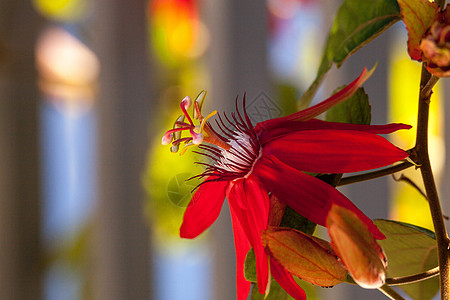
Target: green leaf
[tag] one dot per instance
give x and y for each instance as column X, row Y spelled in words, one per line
column 410, row 250
column 293, row 219
column 418, row 15
column 277, row 292
column 356, row 23
column 250, row 266
column 355, row 110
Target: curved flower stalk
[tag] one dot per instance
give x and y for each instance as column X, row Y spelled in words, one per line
column 249, row 162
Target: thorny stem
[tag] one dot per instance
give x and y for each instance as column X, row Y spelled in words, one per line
column 412, row 278
column 375, row 174
column 420, row 152
column 391, row 293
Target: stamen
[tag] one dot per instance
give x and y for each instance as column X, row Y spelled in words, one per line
column 198, row 104
column 167, row 138
column 232, row 147
column 181, row 124
column 206, row 119
column 177, row 134
column 185, row 104
column 179, row 141
column 197, row 111
column 183, row 151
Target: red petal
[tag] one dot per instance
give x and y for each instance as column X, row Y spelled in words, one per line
column 203, row 209
column 376, row 129
column 286, row 281
column 309, row 196
column 280, row 128
column 242, row 246
column 250, row 204
column 338, row 97
column 323, row 106
column 334, row 151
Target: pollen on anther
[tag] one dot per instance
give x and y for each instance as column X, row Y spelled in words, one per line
column 186, row 102
column 167, row 139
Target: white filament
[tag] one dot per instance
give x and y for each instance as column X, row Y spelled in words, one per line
column 232, row 160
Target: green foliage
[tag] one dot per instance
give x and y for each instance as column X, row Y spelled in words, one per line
column 355, row 110
column 276, row 293
column 250, row 266
column 356, row 23
column 410, row 250
column 293, row 219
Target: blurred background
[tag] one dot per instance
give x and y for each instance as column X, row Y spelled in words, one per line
column 91, row 203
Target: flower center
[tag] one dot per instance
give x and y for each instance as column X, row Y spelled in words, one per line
column 240, row 157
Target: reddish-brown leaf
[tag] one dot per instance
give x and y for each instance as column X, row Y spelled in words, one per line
column 358, row 249
column 276, row 211
column 304, row 256
column 418, row 15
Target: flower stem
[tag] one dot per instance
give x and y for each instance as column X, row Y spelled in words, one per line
column 422, row 158
column 375, row 174
column 412, row 184
column 413, row 278
column 391, row 293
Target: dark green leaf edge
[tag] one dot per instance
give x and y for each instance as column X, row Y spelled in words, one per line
column 355, row 110
column 330, row 56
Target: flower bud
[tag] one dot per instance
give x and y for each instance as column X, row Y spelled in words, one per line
column 435, row 45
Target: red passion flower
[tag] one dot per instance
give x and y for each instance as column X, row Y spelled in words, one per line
column 249, row 162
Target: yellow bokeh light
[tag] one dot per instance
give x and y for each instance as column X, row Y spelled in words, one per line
column 408, row 205
column 62, row 10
